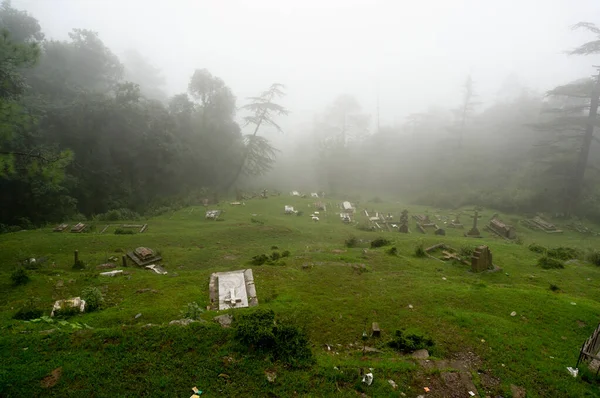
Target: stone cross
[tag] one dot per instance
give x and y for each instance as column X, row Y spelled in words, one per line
column 232, row 300
column 475, row 217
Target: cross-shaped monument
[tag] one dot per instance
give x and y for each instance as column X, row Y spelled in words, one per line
column 474, row 232
column 232, row 300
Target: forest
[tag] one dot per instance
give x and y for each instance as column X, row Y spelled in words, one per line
column 84, row 132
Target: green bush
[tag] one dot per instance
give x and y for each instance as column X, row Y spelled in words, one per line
column 66, row 312
column 563, row 253
column 19, row 277
column 275, row 256
column 29, row 311
column 351, row 242
column 285, row 342
column 534, row 247
column 554, row 287
column 380, row 242
column 93, row 298
column 117, row 215
column 466, row 251
column 392, row 251
column 410, row 342
column 420, row 250
column 79, row 265
column 594, row 257
column 550, row 263
column 285, row 253
column 259, row 259
column 192, row 311
column 124, row 231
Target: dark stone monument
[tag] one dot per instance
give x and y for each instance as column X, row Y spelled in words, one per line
column 482, row 259
column 143, row 256
column 501, row 229
column 376, row 331
column 440, row 231
column 474, row 232
column 404, row 222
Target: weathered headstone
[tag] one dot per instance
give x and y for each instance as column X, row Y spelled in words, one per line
column 75, row 302
column 347, row 207
column 61, row 227
column 456, row 222
column 212, row 214
column 376, row 331
column 264, row 194
column 232, row 290
column 440, row 232
column 79, row 227
column 474, row 232
column 539, row 223
column 404, row 222
column 143, row 256
column 288, row 209
column 314, row 195
column 501, row 229
column 481, row 259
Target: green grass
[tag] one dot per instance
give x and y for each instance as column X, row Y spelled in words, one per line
column 333, row 300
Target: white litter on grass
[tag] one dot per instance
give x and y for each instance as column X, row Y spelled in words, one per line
column 410, row 306
column 514, row 313
column 471, row 393
column 443, row 278
column 393, row 384
column 573, row 303
column 368, row 379
column 572, row 371
column 156, row 268
column 112, row 273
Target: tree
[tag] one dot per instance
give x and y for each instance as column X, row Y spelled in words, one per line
column 259, row 155
column 464, row 112
column 22, row 26
column 591, row 47
column 137, row 69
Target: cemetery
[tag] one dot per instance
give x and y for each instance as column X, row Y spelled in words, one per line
column 185, row 277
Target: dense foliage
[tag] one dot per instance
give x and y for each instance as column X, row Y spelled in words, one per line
column 76, row 137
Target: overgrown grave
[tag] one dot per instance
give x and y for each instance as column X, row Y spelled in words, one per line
column 212, row 214
column 143, row 256
column 455, row 223
column 424, row 222
column 447, row 253
column 538, row 223
column 347, row 210
column 78, row 228
column 403, row 228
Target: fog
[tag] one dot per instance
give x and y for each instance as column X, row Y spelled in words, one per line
column 412, row 53
column 143, row 106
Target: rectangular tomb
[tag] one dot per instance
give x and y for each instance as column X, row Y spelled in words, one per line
column 233, row 289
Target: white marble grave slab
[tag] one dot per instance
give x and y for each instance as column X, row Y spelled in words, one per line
column 232, row 283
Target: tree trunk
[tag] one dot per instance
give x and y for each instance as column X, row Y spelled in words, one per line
column 577, row 186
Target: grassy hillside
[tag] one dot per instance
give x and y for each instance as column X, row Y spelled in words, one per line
column 322, row 287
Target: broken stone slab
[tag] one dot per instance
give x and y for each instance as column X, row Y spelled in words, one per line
column 75, row 302
column 61, row 227
column 112, row 273
column 79, row 227
column 420, row 354
column 156, row 268
column 182, row 322
column 224, row 320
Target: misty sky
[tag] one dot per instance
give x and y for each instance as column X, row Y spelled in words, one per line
column 417, row 52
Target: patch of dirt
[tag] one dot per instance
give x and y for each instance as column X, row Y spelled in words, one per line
column 581, row 324
column 517, row 392
column 147, row 290
column 53, row 378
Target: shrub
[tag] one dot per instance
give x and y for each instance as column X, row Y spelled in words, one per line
column 19, row 277
column 554, row 288
column 594, row 257
column 285, row 342
column 550, row 263
column 275, row 256
column 392, row 251
column 93, row 298
column 420, row 250
column 274, row 248
column 466, row 251
column 286, row 253
column 410, row 342
column 29, row 311
column 534, row 247
column 192, row 311
column 118, row 214
column 300, row 213
column 66, row 312
column 124, row 231
column 14, row 228
column 79, row 265
column 365, row 227
column 351, row 242
column 563, row 253
column 256, row 221
column 259, row 259
column 379, row 242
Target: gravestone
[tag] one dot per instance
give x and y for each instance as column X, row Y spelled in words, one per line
column 314, row 195
column 481, row 259
column 288, row 209
column 539, row 223
column 75, row 302
column 375, row 330
column 233, row 289
column 79, row 227
column 143, row 256
column 404, row 222
column 346, row 218
column 440, row 232
column 347, row 207
column 422, row 218
column 61, row 227
column 212, row 214
column 295, row 193
column 474, row 232
column 319, row 206
column 264, row 194
column 501, row 229
column 456, row 222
